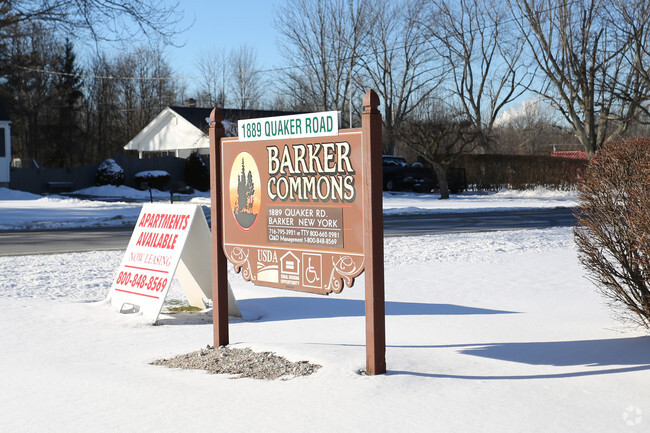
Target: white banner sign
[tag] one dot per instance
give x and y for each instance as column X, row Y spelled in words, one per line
column 168, row 239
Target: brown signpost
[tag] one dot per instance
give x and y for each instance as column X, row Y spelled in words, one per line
column 301, row 213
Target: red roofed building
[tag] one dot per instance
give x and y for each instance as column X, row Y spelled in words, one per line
column 574, row 154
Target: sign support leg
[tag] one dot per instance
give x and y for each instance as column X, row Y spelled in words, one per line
column 219, row 261
column 373, row 235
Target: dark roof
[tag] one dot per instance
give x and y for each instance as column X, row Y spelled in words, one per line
column 197, row 115
column 4, row 115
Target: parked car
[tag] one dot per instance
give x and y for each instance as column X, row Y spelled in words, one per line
column 398, row 174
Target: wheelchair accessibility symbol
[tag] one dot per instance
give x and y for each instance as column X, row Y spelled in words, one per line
column 312, row 265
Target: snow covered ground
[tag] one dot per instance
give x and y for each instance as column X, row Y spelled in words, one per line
column 486, row 332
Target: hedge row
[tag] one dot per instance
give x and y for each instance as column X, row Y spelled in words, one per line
column 491, row 172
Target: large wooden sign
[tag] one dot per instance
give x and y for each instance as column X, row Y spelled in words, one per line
column 296, row 204
column 293, row 211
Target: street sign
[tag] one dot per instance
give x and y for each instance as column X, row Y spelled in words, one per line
column 325, row 124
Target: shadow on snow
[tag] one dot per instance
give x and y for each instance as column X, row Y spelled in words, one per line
column 296, row 308
column 624, row 354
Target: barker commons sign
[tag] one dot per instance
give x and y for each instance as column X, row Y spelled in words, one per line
column 297, row 205
column 292, row 210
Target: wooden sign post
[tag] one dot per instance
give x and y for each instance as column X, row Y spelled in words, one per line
column 373, row 244
column 297, row 204
column 219, row 261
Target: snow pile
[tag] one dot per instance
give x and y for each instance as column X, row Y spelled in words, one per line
column 11, row 194
column 123, row 192
column 55, row 212
column 413, row 203
column 24, row 211
column 151, row 174
column 539, row 193
column 472, row 248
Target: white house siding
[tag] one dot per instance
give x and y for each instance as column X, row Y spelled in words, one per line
column 170, row 133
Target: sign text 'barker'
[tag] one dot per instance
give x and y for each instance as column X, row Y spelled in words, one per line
column 311, row 172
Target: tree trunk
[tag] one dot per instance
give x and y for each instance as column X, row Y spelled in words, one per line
column 441, row 174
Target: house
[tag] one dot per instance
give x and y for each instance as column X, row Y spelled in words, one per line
column 178, row 130
column 5, row 146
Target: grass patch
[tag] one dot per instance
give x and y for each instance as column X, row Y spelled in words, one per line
column 183, row 309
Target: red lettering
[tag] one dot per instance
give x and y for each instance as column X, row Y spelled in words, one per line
column 165, row 222
column 144, row 220
column 165, row 240
column 156, row 240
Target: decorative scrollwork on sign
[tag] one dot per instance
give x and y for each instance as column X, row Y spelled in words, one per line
column 345, row 270
column 240, row 262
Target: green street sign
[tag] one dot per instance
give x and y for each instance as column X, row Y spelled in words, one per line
column 284, row 127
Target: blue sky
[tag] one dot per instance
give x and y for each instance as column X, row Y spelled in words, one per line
column 225, row 25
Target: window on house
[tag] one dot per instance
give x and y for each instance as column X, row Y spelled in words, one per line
column 2, row 143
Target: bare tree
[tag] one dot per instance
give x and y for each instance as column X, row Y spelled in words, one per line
column 633, row 26
column 397, row 64
column 586, row 74
column 144, row 88
column 30, row 96
column 439, row 139
column 124, row 94
column 213, row 66
column 520, row 130
column 102, row 110
column 483, row 57
column 101, row 19
column 320, row 43
column 246, row 82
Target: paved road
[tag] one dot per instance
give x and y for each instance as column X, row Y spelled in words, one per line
column 466, row 222
column 62, row 241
